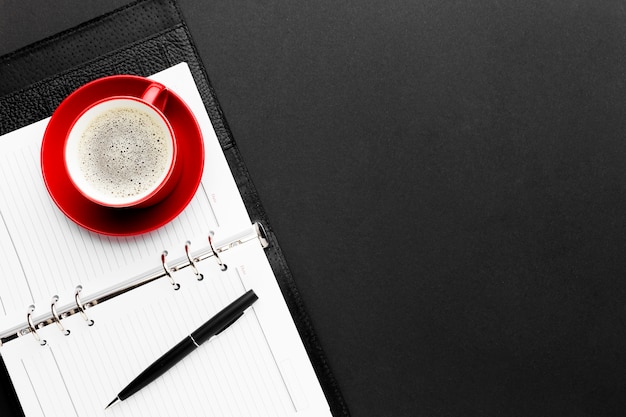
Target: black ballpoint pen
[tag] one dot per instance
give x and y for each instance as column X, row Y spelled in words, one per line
column 217, row 324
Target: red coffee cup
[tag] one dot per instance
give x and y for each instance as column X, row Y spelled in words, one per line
column 122, row 152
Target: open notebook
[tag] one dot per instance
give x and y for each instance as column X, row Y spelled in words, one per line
column 258, row 367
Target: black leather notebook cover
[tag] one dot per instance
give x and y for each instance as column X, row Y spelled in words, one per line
column 142, row 38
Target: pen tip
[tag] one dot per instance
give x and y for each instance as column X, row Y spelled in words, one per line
column 111, row 403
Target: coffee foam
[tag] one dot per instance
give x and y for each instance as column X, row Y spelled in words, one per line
column 124, row 152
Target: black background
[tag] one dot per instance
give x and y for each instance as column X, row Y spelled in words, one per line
column 447, row 182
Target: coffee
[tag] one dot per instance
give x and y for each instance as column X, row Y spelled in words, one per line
column 124, row 152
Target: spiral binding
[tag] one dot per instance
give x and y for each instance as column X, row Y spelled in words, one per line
column 31, row 326
column 192, row 262
column 167, row 271
column 55, row 315
column 222, row 265
column 79, row 306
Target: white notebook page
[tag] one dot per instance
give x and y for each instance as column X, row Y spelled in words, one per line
column 257, row 367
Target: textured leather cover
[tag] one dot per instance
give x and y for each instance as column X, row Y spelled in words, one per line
column 142, row 38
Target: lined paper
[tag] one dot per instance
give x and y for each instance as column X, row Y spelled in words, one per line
column 230, row 369
column 57, row 254
column 237, row 373
column 258, row 367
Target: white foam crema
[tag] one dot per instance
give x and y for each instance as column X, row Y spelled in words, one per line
column 119, row 151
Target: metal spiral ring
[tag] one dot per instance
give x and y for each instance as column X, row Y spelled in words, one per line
column 31, row 326
column 166, row 269
column 55, row 315
column 192, row 262
column 222, row 265
column 79, row 304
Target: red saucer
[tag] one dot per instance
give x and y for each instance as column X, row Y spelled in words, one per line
column 112, row 221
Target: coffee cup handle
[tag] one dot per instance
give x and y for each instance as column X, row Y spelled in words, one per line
column 155, row 94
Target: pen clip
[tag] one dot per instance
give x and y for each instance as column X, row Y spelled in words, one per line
column 229, row 323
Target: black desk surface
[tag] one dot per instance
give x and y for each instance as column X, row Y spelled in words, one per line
column 446, row 179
